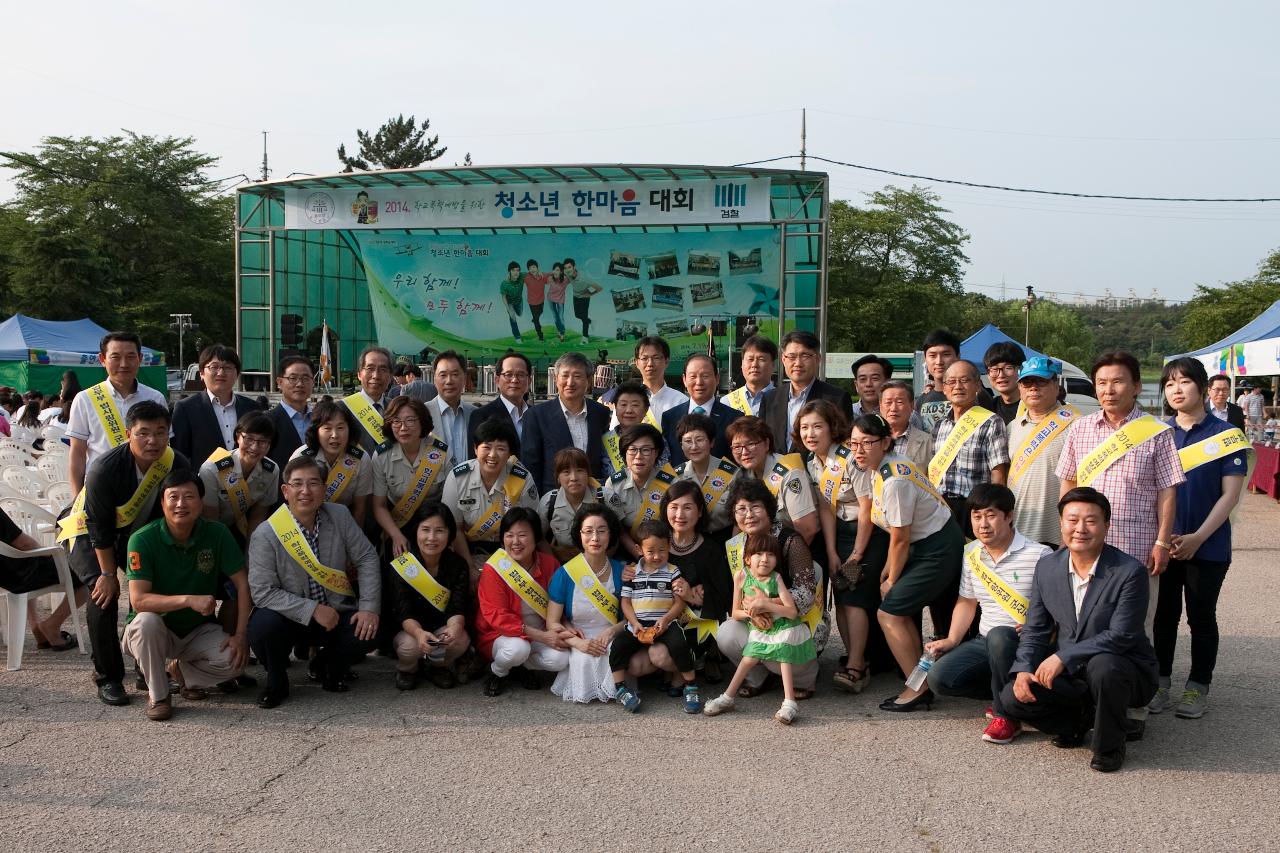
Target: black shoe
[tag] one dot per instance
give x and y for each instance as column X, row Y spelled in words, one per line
column 406, row 680
column 892, row 703
column 531, row 680
column 112, row 693
column 1108, row 762
column 246, row 681
column 1069, row 740
column 271, row 698
column 302, row 651
column 711, row 670
column 495, row 685
column 229, row 686
column 139, row 683
column 334, row 685
column 1134, row 730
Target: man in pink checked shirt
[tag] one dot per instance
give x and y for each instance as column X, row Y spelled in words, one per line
column 1141, row 482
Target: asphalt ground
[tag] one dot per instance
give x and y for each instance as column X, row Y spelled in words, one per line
column 376, row 769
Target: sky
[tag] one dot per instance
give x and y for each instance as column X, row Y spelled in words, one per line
column 1137, row 98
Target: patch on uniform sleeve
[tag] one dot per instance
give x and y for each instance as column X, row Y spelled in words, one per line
column 618, row 476
column 794, row 486
column 267, row 464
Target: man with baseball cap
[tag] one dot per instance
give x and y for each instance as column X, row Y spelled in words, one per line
column 1036, row 436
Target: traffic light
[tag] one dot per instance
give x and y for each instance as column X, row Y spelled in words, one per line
column 291, row 330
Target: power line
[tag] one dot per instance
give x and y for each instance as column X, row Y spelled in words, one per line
column 1002, row 188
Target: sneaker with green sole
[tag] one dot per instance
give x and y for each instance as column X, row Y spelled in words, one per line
column 1193, row 705
column 1161, row 702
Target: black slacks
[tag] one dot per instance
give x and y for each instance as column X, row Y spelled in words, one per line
column 272, row 636
column 102, row 622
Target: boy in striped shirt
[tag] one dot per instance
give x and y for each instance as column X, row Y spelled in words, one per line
column 652, row 610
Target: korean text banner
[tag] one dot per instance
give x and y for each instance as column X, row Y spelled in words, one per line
column 530, row 205
column 550, row 293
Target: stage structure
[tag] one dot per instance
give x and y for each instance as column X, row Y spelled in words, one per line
column 479, row 259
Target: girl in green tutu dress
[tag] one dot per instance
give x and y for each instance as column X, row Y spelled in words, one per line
column 777, row 633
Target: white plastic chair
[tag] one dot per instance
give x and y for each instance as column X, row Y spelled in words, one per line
column 12, row 455
column 58, row 496
column 15, row 603
column 23, row 481
column 32, row 519
column 53, row 467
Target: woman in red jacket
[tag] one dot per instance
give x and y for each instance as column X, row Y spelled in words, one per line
column 511, row 616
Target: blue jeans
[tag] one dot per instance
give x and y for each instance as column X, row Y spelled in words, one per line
column 557, row 313
column 977, row 668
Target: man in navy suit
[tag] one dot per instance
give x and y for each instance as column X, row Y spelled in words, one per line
column 570, row 420
column 204, row 422
column 1220, row 405
column 515, row 372
column 1093, row 598
column 779, row 408
column 702, row 381
column 292, row 415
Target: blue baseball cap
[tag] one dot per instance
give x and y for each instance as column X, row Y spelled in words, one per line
column 1041, row 367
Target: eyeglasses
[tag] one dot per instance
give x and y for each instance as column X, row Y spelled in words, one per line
column 305, row 484
column 649, row 359
column 297, row 379
column 395, row 423
column 217, row 368
column 804, row 355
column 866, row 444
column 745, row 448
column 250, row 441
column 641, row 451
column 514, row 374
column 748, row 509
column 959, row 382
column 692, row 440
column 1001, row 370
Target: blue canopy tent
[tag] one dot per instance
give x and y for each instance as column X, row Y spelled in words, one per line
column 1265, row 325
column 35, row 353
column 974, row 347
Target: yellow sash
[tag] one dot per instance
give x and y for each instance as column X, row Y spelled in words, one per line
column 1214, row 447
column 960, row 433
column 651, row 420
column 108, row 414
column 1033, row 445
column 705, row 628
column 611, row 441
column 718, row 480
column 511, row 488
column 1138, row 431
column 367, row 415
column 658, row 485
column 737, row 399
column 733, row 550
column 296, row 546
column 585, row 579
column 342, row 474
column 236, row 487
column 77, row 521
column 415, row 575
column 437, row 453
column 785, row 465
column 1013, row 603
column 813, row 615
column 907, row 471
column 520, row 581
column 833, row 473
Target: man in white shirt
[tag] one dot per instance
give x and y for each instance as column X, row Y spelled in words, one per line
column 203, row 423
column 759, row 358
column 800, row 354
column 514, row 373
column 652, row 355
column 96, row 423
column 997, row 574
column 449, row 411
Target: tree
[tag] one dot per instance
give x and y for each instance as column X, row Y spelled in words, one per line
column 123, row 230
column 399, row 144
column 895, row 270
column 1056, row 330
column 1215, row 312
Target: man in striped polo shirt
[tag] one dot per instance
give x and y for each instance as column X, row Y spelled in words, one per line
column 997, row 574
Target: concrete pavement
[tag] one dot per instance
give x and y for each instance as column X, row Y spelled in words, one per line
column 377, row 770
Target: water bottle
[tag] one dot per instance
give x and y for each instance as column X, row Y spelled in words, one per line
column 916, row 679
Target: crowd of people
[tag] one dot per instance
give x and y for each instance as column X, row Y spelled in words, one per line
column 691, row 537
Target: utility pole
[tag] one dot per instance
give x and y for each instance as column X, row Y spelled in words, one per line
column 1031, row 300
column 182, row 323
column 803, row 152
column 265, row 172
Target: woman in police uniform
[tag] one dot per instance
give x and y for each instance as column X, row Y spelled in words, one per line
column 409, row 473
column 559, row 506
column 481, row 491
column 635, row 494
column 333, row 440
column 715, row 476
column 751, row 441
column 925, row 545
column 242, row 487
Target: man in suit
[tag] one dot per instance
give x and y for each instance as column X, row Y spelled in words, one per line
column 570, row 420
column 701, row 381
column 410, row 383
column 800, row 354
column 1093, row 598
column 292, row 415
column 374, row 373
column 204, row 422
column 449, row 411
column 292, row 606
column 1220, row 405
column 515, row 372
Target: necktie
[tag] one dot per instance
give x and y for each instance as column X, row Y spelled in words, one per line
column 698, row 410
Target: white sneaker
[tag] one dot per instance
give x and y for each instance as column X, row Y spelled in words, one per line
column 719, row 705
column 788, row 712
column 1161, row 702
